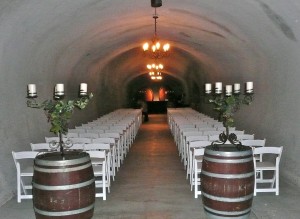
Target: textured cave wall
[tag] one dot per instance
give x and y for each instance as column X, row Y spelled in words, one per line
column 97, row 42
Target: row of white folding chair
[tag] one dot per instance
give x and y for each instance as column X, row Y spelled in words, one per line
column 127, row 132
column 24, row 165
column 99, row 164
column 192, row 156
column 183, row 147
column 270, row 163
column 106, row 148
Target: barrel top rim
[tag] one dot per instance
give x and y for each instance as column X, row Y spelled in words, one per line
column 228, row 150
column 56, row 156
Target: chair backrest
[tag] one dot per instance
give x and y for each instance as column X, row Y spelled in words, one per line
column 81, row 140
column 206, row 128
column 237, row 132
column 268, row 150
column 192, row 133
column 40, row 146
column 211, row 132
column 89, row 135
column 222, row 128
column 77, row 146
column 213, row 137
column 198, row 151
column 71, row 135
column 254, row 142
column 110, row 135
column 101, row 127
column 77, row 130
column 104, row 140
column 96, row 146
column 23, row 155
column 199, row 143
column 245, row 137
column 97, row 131
column 196, row 138
column 97, row 154
column 51, row 139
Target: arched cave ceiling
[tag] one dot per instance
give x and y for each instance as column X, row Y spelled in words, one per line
column 101, row 39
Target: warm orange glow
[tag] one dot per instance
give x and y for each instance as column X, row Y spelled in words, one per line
column 166, row 47
column 146, row 46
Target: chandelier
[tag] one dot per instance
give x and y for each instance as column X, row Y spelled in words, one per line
column 156, row 76
column 154, row 69
column 155, row 49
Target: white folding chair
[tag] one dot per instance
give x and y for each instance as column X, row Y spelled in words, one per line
column 98, row 159
column 41, row 147
column 77, row 130
column 255, row 143
column 89, row 135
column 24, row 164
column 118, row 143
column 197, row 159
column 245, row 137
column 267, row 165
column 71, row 135
column 112, row 143
column 191, row 147
column 80, row 140
column 106, row 148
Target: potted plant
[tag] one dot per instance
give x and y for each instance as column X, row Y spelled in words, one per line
column 227, row 177
column 63, row 182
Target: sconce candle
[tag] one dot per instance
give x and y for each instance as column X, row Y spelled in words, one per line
column 228, row 90
column 83, row 88
column 227, row 104
column 207, row 88
column 218, row 87
column 58, row 112
column 249, row 87
column 31, row 90
column 237, row 88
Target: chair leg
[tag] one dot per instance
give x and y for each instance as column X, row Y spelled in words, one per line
column 196, row 179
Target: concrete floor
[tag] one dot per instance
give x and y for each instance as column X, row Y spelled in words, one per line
column 151, row 184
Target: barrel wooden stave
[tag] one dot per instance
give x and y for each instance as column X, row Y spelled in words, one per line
column 227, row 183
column 63, row 189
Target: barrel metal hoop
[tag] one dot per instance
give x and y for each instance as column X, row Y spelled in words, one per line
column 245, row 160
column 227, row 176
column 60, row 163
column 227, row 213
column 229, row 153
column 223, row 199
column 63, row 213
column 63, row 187
column 62, row 170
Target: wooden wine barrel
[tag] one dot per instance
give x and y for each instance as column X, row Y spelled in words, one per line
column 63, row 187
column 227, row 181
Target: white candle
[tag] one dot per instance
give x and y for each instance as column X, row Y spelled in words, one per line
column 83, row 87
column 249, row 87
column 59, row 89
column 237, row 88
column 218, row 87
column 208, row 88
column 228, row 90
column 31, row 90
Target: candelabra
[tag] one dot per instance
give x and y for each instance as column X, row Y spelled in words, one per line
column 227, row 104
column 58, row 111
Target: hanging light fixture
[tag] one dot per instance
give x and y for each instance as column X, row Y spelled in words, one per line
column 155, row 49
column 154, row 69
column 155, row 75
